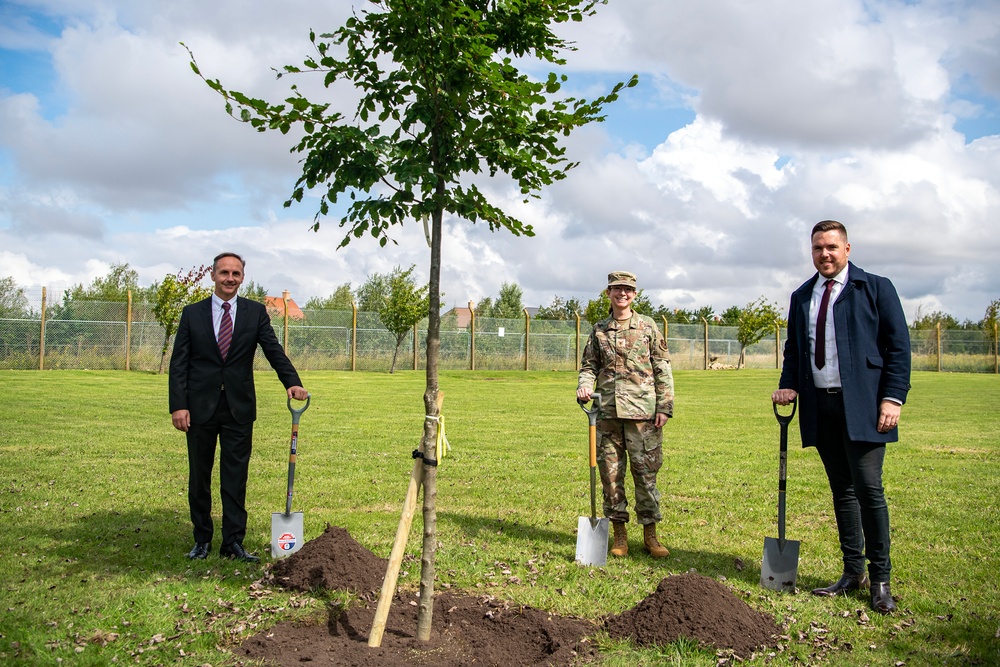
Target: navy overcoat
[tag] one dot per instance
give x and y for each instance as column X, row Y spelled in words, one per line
column 873, row 345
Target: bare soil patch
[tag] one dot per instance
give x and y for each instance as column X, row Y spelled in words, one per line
column 471, row 630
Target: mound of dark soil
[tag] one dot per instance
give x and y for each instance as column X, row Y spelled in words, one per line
column 333, row 561
column 465, row 631
column 691, row 605
column 469, row 630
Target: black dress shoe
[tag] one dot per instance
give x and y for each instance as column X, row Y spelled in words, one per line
column 236, row 550
column 200, row 551
column 846, row 583
column 882, row 601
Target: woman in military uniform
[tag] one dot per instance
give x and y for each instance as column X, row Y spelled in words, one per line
column 627, row 363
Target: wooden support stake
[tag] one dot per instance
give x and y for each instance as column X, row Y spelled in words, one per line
column 398, row 548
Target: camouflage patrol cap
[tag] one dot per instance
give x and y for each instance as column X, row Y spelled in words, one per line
column 621, row 278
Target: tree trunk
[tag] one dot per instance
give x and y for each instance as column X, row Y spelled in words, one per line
column 163, row 352
column 395, row 353
column 425, row 612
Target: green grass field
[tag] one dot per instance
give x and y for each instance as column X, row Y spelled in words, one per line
column 95, row 527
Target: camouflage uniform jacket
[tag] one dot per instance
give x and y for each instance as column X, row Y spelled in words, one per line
column 630, row 365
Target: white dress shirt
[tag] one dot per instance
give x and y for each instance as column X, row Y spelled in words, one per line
column 829, row 375
column 217, row 312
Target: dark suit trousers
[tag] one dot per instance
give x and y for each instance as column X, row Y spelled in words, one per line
column 235, row 444
column 854, row 470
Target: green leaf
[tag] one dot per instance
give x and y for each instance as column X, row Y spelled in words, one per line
column 440, row 99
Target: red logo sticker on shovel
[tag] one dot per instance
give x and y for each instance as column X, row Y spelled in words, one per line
column 286, row 541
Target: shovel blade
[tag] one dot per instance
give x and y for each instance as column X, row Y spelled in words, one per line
column 287, row 535
column 592, row 541
column 780, row 564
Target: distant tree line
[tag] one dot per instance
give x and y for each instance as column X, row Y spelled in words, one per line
column 401, row 302
column 753, row 321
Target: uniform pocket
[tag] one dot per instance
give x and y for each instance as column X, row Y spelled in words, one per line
column 652, row 437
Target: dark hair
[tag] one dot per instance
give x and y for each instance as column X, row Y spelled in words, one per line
column 227, row 254
column 829, row 226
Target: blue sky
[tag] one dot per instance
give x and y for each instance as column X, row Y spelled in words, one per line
column 749, row 125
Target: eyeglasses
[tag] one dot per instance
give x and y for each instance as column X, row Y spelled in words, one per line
column 622, row 288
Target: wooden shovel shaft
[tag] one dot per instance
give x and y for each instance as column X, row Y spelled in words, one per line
column 296, row 416
column 593, row 472
column 291, row 468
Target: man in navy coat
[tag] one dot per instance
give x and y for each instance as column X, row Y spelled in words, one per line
column 847, row 360
column 212, row 398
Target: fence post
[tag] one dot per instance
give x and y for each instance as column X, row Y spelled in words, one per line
column 777, row 345
column 576, row 313
column 472, row 337
column 996, row 353
column 128, row 333
column 527, row 335
column 938, row 329
column 414, row 346
column 284, row 321
column 354, row 334
column 706, row 342
column 666, row 328
column 41, row 336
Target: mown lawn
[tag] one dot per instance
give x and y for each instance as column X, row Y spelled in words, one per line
column 95, row 523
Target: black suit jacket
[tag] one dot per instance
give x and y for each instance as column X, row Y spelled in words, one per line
column 873, row 346
column 198, row 372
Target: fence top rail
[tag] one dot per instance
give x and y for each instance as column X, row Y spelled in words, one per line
column 117, row 323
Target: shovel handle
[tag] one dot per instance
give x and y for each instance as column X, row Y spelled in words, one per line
column 782, row 419
column 592, row 412
column 592, row 418
column 296, row 413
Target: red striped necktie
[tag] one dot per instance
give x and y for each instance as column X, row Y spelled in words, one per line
column 225, row 330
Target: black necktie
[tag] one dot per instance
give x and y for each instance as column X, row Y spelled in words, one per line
column 821, row 324
column 225, row 330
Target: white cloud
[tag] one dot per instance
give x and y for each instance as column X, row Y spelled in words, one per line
column 833, row 109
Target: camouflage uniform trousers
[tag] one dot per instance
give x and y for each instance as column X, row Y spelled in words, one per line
column 620, row 441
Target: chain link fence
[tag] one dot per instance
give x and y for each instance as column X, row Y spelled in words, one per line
column 112, row 335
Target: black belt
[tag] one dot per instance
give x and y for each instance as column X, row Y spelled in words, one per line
column 829, row 390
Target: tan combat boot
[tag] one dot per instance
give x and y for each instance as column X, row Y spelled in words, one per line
column 620, row 547
column 655, row 549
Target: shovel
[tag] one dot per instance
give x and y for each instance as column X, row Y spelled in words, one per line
column 780, row 564
column 286, row 527
column 591, row 532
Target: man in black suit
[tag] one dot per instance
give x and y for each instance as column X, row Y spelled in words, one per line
column 212, row 398
column 847, row 360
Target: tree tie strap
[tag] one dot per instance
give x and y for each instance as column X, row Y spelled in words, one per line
column 417, row 454
column 442, row 446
